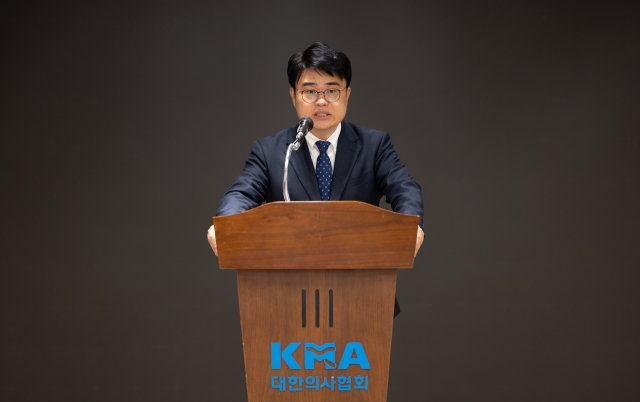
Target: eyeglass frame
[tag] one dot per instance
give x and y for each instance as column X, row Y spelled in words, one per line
column 323, row 95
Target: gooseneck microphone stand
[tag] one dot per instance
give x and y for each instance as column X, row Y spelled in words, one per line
column 304, row 126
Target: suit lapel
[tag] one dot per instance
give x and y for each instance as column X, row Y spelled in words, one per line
column 346, row 155
column 301, row 163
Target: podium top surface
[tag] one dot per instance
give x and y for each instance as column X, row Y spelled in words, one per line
column 316, row 235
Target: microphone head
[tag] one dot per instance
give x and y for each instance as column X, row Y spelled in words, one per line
column 305, row 125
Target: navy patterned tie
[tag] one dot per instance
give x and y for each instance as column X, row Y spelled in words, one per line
column 324, row 173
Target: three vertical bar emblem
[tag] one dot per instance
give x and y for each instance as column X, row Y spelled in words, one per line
column 317, row 308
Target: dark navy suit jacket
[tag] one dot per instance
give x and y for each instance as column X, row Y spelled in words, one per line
column 366, row 169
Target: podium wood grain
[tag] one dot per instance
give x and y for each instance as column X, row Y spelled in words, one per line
column 299, row 235
column 348, row 248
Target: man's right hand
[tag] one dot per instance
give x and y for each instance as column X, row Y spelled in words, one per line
column 211, row 236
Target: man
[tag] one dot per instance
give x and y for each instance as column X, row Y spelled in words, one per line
column 338, row 160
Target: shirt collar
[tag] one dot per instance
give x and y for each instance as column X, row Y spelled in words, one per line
column 333, row 139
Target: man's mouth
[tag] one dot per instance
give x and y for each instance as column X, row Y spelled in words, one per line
column 320, row 114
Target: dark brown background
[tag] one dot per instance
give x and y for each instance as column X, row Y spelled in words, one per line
column 123, row 124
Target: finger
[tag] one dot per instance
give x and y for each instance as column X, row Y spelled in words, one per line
column 419, row 240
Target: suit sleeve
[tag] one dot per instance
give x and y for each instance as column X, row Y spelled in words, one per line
column 402, row 192
column 249, row 189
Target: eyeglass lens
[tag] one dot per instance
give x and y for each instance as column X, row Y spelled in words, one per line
column 330, row 95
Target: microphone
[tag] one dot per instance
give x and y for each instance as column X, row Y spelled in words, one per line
column 304, row 126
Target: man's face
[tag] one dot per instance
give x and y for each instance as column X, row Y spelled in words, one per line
column 326, row 116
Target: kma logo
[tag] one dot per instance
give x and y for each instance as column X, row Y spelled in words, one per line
column 353, row 354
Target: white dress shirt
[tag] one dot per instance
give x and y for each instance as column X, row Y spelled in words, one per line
column 331, row 150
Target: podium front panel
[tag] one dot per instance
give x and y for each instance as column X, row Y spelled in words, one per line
column 317, row 335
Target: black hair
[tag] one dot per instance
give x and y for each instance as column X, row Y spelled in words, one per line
column 322, row 58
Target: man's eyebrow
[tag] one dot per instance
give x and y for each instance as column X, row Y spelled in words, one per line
column 307, row 84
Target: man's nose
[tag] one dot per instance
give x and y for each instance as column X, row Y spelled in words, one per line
column 321, row 98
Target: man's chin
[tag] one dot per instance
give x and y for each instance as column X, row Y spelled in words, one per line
column 323, row 131
column 325, row 125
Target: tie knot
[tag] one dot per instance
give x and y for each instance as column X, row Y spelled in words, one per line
column 322, row 146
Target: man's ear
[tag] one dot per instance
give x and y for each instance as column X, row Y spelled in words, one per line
column 348, row 92
column 292, row 93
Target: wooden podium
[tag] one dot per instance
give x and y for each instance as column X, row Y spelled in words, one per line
column 316, row 286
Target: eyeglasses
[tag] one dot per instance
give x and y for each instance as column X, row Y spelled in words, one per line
column 330, row 95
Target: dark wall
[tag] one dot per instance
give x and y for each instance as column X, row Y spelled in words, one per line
column 122, row 125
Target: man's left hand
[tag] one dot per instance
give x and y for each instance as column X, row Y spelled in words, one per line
column 419, row 240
